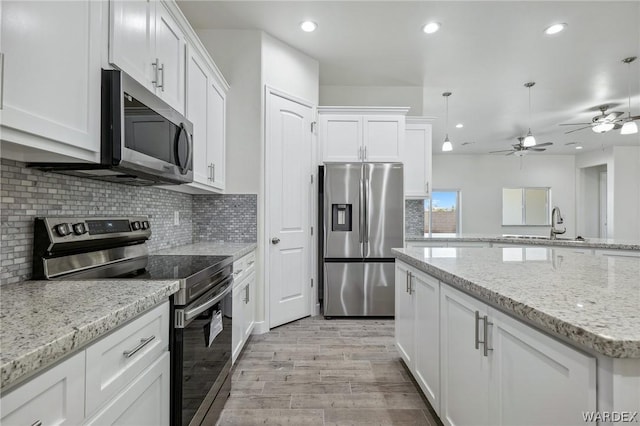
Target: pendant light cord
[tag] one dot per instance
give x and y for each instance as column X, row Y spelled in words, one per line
column 629, row 87
column 446, row 126
column 529, row 108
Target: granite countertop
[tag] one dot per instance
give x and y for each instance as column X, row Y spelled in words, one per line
column 43, row 321
column 594, row 301
column 237, row 250
column 600, row 243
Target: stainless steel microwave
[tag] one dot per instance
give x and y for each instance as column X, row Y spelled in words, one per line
column 143, row 140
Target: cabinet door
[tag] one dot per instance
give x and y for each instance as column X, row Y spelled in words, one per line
column 51, row 98
column 237, row 315
column 417, row 160
column 464, row 370
column 341, row 137
column 383, row 138
column 216, row 133
column 144, row 402
column 404, row 315
column 427, row 336
column 56, row 397
column 536, row 379
column 249, row 311
column 170, row 46
column 197, row 86
column 132, row 39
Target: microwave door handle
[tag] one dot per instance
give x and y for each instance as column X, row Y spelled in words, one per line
column 190, row 150
column 183, row 169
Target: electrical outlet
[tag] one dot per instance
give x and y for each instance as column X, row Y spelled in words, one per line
column 176, row 218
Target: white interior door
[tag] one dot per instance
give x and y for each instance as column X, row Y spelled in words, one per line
column 288, row 201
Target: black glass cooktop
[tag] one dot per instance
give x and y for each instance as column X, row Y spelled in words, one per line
column 166, row 267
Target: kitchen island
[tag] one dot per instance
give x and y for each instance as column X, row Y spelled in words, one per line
column 488, row 332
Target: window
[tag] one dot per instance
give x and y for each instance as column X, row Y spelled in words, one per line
column 442, row 213
column 525, row 206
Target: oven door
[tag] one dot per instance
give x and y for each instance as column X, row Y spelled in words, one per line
column 201, row 358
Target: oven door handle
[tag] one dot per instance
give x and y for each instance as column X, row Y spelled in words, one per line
column 194, row 312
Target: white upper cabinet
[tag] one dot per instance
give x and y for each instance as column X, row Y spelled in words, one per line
column 147, row 43
column 51, row 79
column 417, row 157
column 206, row 109
column 351, row 134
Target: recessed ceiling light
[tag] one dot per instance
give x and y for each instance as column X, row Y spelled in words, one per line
column 459, row 126
column 308, row 26
column 578, row 147
column 555, row 29
column 431, row 27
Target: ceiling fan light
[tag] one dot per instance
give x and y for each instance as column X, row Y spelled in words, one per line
column 529, row 140
column 603, row 127
column 629, row 128
column 447, row 146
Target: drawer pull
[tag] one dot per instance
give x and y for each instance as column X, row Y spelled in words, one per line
column 238, row 272
column 252, row 262
column 37, row 423
column 143, row 343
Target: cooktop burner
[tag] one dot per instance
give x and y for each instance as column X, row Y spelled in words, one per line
column 161, row 267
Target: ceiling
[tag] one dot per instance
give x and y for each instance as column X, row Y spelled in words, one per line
column 483, row 54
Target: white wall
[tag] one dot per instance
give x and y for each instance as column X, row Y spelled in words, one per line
column 249, row 60
column 623, row 190
column 238, row 55
column 401, row 96
column 626, row 201
column 482, row 177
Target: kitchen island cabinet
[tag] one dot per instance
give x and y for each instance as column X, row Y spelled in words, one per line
column 529, row 340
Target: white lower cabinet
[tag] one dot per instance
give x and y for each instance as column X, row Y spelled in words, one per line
column 145, row 401
column 427, row 335
column 536, row 379
column 464, row 370
column 487, row 368
column 405, row 315
column 55, row 397
column 121, row 379
column 244, row 302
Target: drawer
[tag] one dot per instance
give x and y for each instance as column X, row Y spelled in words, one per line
column 54, row 397
column 243, row 267
column 144, row 402
column 115, row 360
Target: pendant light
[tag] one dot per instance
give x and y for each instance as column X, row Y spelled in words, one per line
column 629, row 127
column 529, row 140
column 447, row 146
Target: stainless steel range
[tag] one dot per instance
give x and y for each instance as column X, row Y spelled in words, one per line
column 115, row 247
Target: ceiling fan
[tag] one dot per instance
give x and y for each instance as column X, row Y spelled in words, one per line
column 603, row 122
column 519, row 149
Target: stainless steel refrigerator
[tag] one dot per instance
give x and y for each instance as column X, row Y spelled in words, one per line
column 362, row 221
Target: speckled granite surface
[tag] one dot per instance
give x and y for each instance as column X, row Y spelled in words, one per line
column 43, row 321
column 593, row 301
column 237, row 250
column 598, row 243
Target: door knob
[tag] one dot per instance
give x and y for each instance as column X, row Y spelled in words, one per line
column 275, row 240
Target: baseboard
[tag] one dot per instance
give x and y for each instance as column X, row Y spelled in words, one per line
column 260, row 327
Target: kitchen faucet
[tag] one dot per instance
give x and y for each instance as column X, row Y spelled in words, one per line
column 555, row 231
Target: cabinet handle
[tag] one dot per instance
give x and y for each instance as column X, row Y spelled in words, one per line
column 406, row 287
column 252, row 262
column 161, row 69
column 359, row 153
column 246, row 294
column 410, row 282
column 143, row 342
column 365, row 152
column 213, row 172
column 37, row 423
column 426, row 185
column 486, row 336
column 477, row 330
column 155, row 66
column 238, row 272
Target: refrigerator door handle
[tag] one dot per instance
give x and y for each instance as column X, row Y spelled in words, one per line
column 366, row 212
column 361, row 211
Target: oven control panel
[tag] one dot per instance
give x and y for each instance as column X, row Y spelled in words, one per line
column 74, row 229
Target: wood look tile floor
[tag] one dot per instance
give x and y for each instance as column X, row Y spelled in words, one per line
column 324, row 372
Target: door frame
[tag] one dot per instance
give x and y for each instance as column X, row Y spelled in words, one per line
column 314, row 307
